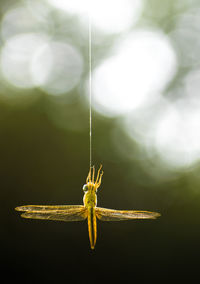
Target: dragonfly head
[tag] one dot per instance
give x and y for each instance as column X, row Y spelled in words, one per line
column 91, row 183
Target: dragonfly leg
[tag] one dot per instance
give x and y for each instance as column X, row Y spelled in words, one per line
column 99, row 176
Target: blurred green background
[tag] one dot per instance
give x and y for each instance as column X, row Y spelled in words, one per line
column 145, row 127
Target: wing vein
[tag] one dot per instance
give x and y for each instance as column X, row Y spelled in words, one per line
column 78, row 213
column 105, row 214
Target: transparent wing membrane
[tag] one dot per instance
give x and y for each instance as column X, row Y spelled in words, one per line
column 46, row 207
column 78, row 213
column 105, row 214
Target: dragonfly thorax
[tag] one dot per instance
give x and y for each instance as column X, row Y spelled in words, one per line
column 91, row 186
column 90, row 197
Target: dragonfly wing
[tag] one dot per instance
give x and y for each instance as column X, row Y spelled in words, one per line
column 67, row 215
column 105, row 214
column 46, row 207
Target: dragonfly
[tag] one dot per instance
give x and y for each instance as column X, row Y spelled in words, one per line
column 88, row 210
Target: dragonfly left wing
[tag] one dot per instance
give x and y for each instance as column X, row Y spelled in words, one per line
column 57, row 213
column 105, row 214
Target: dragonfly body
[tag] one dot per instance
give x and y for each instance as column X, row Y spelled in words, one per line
column 90, row 202
column 88, row 210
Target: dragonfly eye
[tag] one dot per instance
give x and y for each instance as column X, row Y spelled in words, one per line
column 85, row 188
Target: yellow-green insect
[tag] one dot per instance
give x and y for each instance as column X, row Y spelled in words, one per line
column 88, row 210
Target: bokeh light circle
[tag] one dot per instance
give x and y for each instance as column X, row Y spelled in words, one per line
column 57, row 67
column 16, row 57
column 141, row 66
column 177, row 137
column 111, row 16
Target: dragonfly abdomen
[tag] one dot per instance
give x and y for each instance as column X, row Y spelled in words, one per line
column 92, row 226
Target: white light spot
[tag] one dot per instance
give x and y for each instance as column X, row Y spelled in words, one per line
column 170, row 131
column 140, row 68
column 30, row 20
column 178, row 137
column 16, row 57
column 57, row 67
column 109, row 16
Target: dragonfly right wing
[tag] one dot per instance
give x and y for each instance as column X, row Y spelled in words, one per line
column 58, row 213
column 46, row 207
column 105, row 214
